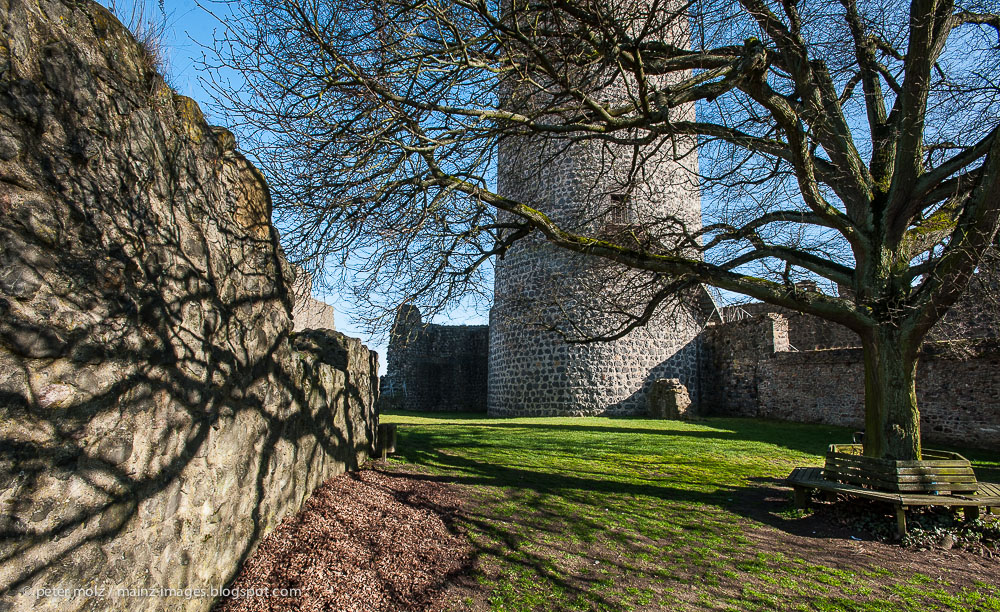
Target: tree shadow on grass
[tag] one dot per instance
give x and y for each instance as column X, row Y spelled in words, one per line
column 531, row 542
column 537, row 505
column 764, row 499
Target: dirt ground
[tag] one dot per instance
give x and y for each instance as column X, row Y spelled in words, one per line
column 826, row 537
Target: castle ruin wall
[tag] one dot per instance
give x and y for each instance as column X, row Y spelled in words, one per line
column 307, row 311
column 435, row 368
column 805, row 332
column 157, row 416
column 958, row 396
column 751, row 370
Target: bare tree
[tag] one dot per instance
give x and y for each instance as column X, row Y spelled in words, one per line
column 853, row 141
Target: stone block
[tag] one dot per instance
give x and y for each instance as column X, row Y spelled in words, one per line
column 668, row 399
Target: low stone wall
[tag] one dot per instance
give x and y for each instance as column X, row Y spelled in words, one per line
column 157, row 417
column 959, row 398
column 751, row 370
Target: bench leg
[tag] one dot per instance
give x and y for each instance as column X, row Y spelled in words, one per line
column 971, row 513
column 801, row 498
column 900, row 521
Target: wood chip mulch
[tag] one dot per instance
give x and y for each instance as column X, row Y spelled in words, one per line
column 365, row 541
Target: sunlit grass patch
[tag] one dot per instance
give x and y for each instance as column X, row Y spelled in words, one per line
column 637, row 514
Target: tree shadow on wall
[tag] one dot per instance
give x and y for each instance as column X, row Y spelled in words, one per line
column 156, row 416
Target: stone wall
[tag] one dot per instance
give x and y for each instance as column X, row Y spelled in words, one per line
column 731, row 358
column 751, row 370
column 805, row 332
column 437, row 368
column 307, row 311
column 444, row 368
column 959, row 398
column 536, row 373
column 974, row 316
column 157, row 418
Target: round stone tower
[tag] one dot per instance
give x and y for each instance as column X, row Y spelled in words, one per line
column 546, row 298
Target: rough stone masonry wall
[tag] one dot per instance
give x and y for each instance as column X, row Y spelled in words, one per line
column 436, row 368
column 805, row 332
column 156, row 420
column 545, row 295
column 307, row 311
column 974, row 316
column 731, row 357
column 959, row 398
column 749, row 370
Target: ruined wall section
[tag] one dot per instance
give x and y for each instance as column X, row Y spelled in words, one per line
column 751, row 370
column 731, row 360
column 805, row 332
column 156, row 419
column 307, row 311
column 958, row 395
column 435, row 368
column 974, row 316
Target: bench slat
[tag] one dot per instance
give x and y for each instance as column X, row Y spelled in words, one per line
column 811, row 478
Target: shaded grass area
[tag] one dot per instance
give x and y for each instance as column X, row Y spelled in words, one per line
column 635, row 514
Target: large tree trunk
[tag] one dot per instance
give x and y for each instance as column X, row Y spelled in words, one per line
column 892, row 421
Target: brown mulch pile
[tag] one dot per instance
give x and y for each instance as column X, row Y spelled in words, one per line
column 364, row 541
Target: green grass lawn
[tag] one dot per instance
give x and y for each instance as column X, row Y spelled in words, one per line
column 636, row 514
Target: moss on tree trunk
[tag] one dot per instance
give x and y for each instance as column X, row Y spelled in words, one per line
column 892, row 420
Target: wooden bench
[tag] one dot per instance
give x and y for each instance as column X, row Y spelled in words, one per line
column 805, row 480
column 937, row 472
